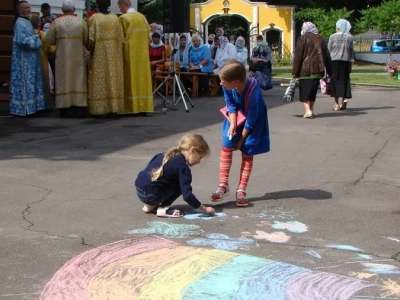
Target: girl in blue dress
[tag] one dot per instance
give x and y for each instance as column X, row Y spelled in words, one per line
column 242, row 94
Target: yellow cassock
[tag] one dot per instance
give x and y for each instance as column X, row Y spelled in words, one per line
column 137, row 74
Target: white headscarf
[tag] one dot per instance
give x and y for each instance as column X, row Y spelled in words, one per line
column 196, row 36
column 222, row 31
column 343, row 25
column 238, row 47
column 309, row 27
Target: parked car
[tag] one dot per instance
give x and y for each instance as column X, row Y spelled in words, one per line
column 385, row 45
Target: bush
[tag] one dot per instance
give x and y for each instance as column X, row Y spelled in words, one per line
column 281, row 61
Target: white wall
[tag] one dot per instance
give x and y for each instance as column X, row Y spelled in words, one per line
column 378, row 58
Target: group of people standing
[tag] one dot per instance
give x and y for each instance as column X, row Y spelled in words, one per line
column 313, row 58
column 98, row 64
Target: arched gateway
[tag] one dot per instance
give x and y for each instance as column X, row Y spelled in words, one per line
column 276, row 23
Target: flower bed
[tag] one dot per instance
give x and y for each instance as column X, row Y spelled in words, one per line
column 393, row 69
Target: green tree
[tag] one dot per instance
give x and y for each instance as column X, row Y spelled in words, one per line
column 324, row 20
column 384, row 18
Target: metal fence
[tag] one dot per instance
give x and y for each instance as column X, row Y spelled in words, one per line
column 364, row 43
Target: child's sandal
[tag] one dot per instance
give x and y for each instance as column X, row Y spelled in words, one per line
column 222, row 190
column 241, row 199
column 168, row 212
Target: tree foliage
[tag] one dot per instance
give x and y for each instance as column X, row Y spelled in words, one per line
column 324, row 20
column 384, row 18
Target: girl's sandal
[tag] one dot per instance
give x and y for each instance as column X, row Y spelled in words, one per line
column 241, row 199
column 222, row 190
column 168, row 212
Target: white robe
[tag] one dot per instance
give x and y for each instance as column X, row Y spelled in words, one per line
column 223, row 55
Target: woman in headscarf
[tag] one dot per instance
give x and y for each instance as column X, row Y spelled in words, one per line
column 311, row 59
column 200, row 61
column 260, row 66
column 182, row 52
column 225, row 52
column 182, row 48
column 219, row 32
column 156, row 50
column 341, row 49
column 242, row 53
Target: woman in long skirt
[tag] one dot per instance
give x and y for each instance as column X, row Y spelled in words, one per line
column 342, row 54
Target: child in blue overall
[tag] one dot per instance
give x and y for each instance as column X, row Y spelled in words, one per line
column 242, row 94
column 168, row 176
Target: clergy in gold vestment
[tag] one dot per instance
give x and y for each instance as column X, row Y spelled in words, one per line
column 137, row 74
column 106, row 77
column 69, row 33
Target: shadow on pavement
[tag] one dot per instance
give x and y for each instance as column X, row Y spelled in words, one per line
column 309, row 194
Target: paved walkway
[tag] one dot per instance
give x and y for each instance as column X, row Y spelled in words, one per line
column 324, row 219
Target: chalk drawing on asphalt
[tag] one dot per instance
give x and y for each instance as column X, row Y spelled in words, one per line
column 275, row 214
column 391, row 288
column 314, row 253
column 344, row 247
column 292, row 226
column 150, row 266
column 381, row 268
column 273, row 237
column 170, row 230
column 362, row 275
column 393, row 239
column 222, row 242
column 263, row 224
column 203, row 216
column 365, row 256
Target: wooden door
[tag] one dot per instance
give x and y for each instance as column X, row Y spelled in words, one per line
column 8, row 14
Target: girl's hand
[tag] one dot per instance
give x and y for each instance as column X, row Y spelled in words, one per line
column 232, row 130
column 209, row 210
column 239, row 144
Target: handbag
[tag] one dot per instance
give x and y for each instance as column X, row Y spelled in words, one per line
column 325, row 85
column 241, row 118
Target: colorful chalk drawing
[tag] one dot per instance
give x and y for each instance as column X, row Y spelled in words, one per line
column 274, row 237
column 391, row 288
column 393, row 239
column 222, row 242
column 271, row 214
column 292, row 226
column 264, row 223
column 344, row 247
column 381, row 268
column 365, row 256
column 170, row 230
column 361, row 275
column 202, row 216
column 152, row 267
column 314, row 253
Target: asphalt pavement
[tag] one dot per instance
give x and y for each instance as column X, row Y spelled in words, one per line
column 323, row 220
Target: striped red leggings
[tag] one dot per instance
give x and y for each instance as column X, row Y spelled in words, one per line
column 225, row 163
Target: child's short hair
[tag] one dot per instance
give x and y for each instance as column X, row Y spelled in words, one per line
column 233, row 70
column 188, row 141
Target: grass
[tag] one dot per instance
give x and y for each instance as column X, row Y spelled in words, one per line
column 366, row 74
